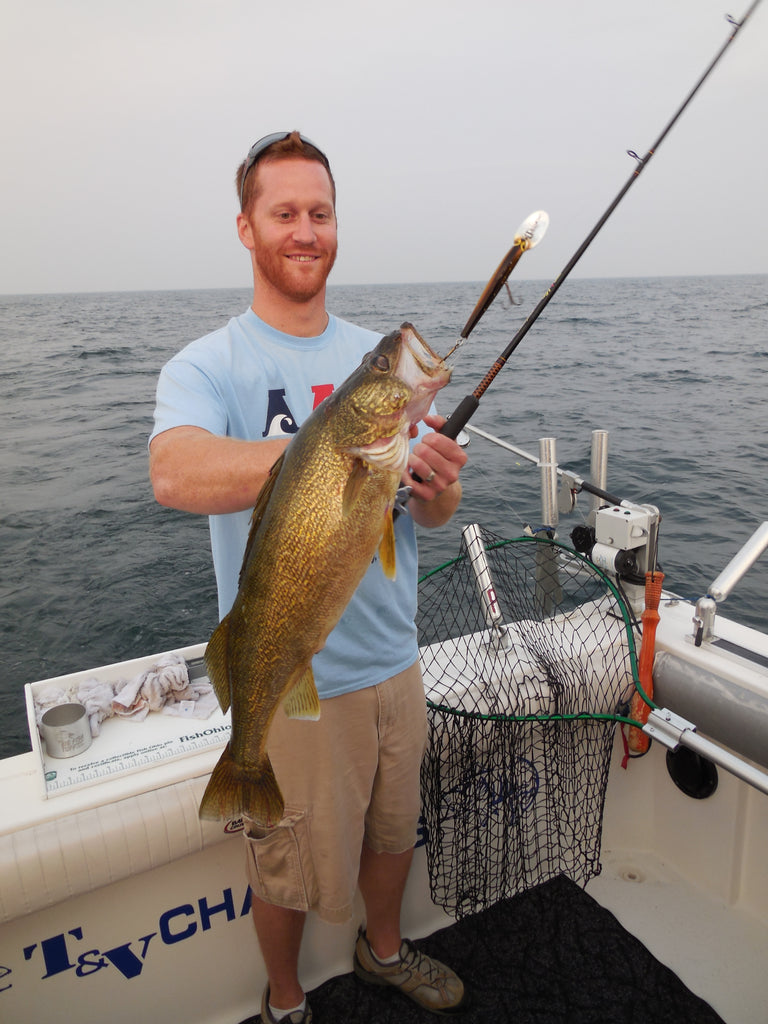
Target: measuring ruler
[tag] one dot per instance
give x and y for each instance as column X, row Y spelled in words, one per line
column 128, row 748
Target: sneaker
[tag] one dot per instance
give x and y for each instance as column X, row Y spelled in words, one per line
column 427, row 982
column 297, row 1017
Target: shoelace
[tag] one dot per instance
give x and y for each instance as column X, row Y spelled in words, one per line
column 417, row 961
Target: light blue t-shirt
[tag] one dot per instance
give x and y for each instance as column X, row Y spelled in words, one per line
column 250, row 381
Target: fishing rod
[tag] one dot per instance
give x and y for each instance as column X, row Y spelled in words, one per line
column 469, row 404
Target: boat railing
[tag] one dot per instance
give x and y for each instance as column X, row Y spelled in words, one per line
column 721, row 587
column 670, row 729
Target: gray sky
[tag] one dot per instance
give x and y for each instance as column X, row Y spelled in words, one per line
column 446, row 122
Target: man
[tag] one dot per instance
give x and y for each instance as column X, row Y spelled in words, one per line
column 227, row 406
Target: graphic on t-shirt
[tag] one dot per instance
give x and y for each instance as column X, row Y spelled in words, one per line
column 280, row 419
column 321, row 391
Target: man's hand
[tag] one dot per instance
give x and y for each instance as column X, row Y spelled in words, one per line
column 437, row 460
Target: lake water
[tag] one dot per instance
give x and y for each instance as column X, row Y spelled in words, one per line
column 95, row 572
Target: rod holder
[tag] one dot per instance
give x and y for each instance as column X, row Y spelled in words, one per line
column 548, row 472
column 598, row 466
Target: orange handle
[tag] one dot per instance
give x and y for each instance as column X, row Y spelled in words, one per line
column 638, row 708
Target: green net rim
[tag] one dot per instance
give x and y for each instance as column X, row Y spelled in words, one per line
column 628, row 628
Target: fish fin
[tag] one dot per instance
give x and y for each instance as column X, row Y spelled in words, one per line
column 217, row 664
column 353, row 486
column 258, row 511
column 387, row 546
column 302, row 700
column 233, row 790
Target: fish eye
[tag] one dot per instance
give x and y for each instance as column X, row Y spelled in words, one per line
column 381, row 362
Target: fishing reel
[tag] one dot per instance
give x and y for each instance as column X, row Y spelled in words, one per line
column 622, row 541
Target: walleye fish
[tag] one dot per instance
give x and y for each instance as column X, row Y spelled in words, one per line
column 319, row 519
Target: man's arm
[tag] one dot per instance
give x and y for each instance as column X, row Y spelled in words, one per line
column 438, row 510
column 196, row 471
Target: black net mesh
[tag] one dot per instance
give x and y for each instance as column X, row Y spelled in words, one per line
column 528, row 660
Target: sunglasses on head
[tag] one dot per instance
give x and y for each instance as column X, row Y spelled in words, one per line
column 258, row 148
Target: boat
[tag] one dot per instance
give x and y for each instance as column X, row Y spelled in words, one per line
column 117, row 903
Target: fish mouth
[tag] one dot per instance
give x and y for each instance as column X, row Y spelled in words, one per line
column 418, row 374
column 422, row 369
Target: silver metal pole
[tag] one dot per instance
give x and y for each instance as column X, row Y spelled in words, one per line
column 490, row 603
column 672, row 731
column 503, row 444
column 740, row 563
column 746, row 772
column 598, row 466
column 548, row 471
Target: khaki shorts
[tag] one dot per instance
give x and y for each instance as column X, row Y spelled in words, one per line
column 349, row 778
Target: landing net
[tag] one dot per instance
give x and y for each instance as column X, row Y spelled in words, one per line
column 528, row 659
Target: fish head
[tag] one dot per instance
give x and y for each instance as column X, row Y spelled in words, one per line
column 390, row 391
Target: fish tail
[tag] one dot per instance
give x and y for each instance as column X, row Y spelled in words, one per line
column 233, row 790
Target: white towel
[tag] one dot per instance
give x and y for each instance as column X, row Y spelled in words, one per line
column 97, row 697
column 164, row 687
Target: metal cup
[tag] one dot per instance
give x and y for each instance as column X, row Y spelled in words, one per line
column 66, row 730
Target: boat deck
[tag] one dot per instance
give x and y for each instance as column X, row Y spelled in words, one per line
column 687, row 878
column 717, row 950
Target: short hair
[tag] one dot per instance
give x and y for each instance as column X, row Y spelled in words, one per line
column 292, row 145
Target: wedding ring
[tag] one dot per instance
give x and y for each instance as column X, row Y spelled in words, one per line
column 430, row 478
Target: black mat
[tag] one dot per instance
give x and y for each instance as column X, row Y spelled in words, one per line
column 548, row 956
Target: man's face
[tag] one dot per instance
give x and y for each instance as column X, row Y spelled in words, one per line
column 291, row 227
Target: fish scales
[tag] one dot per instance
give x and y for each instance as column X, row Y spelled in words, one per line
column 324, row 511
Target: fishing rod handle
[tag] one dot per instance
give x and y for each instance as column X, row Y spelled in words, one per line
column 455, row 423
column 460, row 416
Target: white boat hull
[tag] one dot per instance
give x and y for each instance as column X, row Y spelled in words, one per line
column 118, row 903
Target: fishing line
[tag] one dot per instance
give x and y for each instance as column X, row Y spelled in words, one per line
column 488, row 474
column 469, row 404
